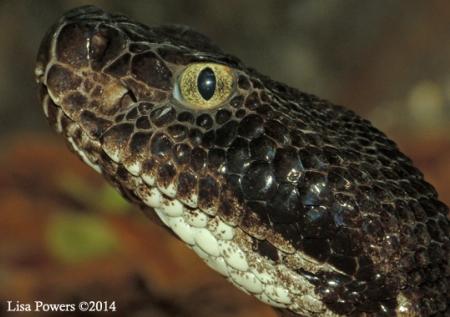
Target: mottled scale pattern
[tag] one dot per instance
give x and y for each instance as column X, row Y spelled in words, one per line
column 295, row 200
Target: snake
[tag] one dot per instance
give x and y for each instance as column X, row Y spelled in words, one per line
column 297, row 201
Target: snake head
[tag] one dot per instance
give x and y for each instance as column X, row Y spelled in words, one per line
column 295, row 200
column 108, row 78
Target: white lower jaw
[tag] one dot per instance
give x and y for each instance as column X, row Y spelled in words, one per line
column 228, row 250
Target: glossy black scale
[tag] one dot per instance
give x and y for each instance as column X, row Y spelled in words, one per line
column 206, row 83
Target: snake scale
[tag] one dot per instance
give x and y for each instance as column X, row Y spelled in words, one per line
column 298, row 202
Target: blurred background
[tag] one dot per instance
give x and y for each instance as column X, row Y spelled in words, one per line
column 66, row 236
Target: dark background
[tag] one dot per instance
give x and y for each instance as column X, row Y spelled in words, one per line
column 65, row 235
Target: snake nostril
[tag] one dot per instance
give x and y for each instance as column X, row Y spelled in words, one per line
column 97, row 45
column 104, row 44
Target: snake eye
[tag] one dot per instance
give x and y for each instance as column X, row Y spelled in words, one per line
column 204, row 85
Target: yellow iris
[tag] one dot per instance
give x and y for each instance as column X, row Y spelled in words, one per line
column 220, row 87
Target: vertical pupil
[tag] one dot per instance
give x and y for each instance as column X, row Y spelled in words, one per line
column 206, row 83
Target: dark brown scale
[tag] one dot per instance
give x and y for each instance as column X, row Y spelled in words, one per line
column 277, row 131
column 318, row 223
column 344, row 263
column 148, row 68
column 187, row 185
column 314, row 189
column 243, row 82
column 237, row 101
column 161, row 146
column 313, row 139
column 185, row 117
column 252, row 101
column 195, row 136
column 139, row 143
column 287, row 165
column 285, row 204
column 228, row 207
column 62, row 80
column 238, row 156
column 294, row 172
column 132, row 114
column 198, row 159
column 93, row 125
column 208, row 139
column 252, row 225
column 119, row 118
column 258, row 181
column 240, row 113
column 332, row 155
column 208, row 193
column 257, row 83
column 149, row 166
column 342, row 245
column 116, row 138
column 318, row 248
column 162, row 116
column 166, row 175
column 339, row 178
column 143, row 123
column 255, row 220
column 222, row 116
column 205, row 121
column 312, row 159
column 251, row 126
column 263, row 148
column 122, row 174
column 75, row 102
column 70, row 49
column 182, row 153
column 435, row 231
column 178, row 132
column 216, row 159
column 266, row 249
column 120, row 67
column 264, row 96
column 226, row 134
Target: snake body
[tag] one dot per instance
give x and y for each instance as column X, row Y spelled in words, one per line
column 297, row 201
